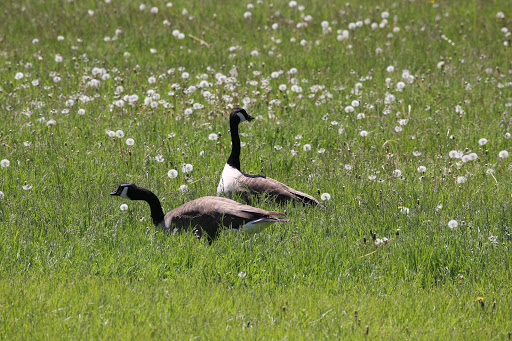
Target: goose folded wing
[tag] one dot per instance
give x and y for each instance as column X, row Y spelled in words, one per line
column 257, row 184
column 210, row 213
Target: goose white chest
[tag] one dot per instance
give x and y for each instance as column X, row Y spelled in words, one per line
column 228, row 181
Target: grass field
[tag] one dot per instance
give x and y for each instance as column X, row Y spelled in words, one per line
column 400, row 111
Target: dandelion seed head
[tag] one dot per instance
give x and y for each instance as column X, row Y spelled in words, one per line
column 453, row 224
column 503, row 154
column 397, row 173
column 213, row 137
column 2, row 195
column 187, row 168
column 482, row 141
column 130, row 142
column 27, row 187
column 183, row 189
column 363, row 133
column 461, row 179
column 422, row 169
column 120, row 133
column 307, row 147
column 325, row 197
column 123, row 207
column 5, row 163
column 173, row 173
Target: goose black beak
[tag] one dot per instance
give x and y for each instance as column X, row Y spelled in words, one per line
column 250, row 118
column 116, row 192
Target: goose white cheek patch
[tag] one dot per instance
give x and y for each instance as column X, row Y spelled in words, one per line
column 242, row 117
column 124, row 193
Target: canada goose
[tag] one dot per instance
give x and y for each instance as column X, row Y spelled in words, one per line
column 206, row 214
column 234, row 182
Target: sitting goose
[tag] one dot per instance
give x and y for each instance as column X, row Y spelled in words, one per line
column 234, row 182
column 206, row 214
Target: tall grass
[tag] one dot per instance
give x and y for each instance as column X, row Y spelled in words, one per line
column 73, row 265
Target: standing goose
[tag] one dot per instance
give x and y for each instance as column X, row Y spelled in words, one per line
column 206, row 214
column 234, row 182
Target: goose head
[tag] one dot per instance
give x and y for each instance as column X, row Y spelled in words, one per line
column 239, row 115
column 130, row 191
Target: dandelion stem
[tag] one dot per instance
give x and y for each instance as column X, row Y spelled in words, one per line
column 371, row 253
column 199, row 40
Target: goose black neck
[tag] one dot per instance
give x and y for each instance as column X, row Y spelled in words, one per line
column 234, row 158
column 157, row 214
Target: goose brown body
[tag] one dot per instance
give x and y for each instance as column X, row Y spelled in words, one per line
column 204, row 215
column 211, row 213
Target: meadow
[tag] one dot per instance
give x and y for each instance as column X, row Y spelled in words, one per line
column 396, row 114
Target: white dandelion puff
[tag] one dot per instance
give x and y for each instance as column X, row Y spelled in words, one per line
column 130, row 142
column 325, row 197
column 5, row 163
column 213, row 137
column 187, row 168
column 482, row 141
column 173, row 173
column 120, row 133
column 363, row 133
column 27, row 187
column 453, row 224
column 183, row 189
column 422, row 169
column 2, row 195
column 503, row 154
column 397, row 173
column 461, row 179
column 123, row 207
column 307, row 147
